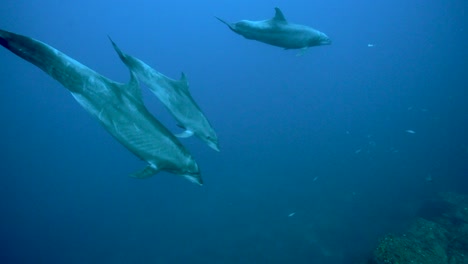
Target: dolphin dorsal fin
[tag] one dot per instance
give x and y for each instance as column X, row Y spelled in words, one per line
column 183, row 82
column 183, row 77
column 279, row 17
column 132, row 88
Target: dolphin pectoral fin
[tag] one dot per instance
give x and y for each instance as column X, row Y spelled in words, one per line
column 147, row 172
column 187, row 133
column 302, row 52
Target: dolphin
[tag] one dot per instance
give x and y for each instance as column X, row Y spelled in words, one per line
column 118, row 107
column 176, row 98
column 279, row 32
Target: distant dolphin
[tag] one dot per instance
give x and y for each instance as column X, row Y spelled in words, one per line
column 118, row 107
column 175, row 96
column 278, row 32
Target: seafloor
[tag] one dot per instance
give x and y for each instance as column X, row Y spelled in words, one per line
column 439, row 235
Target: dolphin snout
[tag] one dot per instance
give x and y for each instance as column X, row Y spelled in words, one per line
column 325, row 41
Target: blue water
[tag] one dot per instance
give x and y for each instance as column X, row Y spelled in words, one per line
column 321, row 135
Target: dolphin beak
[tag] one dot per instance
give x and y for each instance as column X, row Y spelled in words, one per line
column 213, row 146
column 196, row 178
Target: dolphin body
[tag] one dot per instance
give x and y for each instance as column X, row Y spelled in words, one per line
column 175, row 96
column 118, row 107
column 279, row 32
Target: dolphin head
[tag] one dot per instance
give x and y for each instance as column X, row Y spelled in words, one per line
column 213, row 143
column 318, row 39
column 325, row 40
column 194, row 177
column 192, row 172
column 205, row 132
column 210, row 138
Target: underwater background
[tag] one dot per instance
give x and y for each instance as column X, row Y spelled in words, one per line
column 321, row 154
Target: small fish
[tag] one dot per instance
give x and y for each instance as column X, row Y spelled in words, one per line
column 370, row 45
column 410, row 131
column 393, row 150
column 315, row 179
column 291, row 214
column 358, row 151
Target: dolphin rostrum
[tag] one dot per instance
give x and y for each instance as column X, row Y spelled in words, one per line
column 279, row 32
column 176, row 98
column 118, row 107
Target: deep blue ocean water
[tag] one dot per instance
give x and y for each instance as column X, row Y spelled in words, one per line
column 316, row 162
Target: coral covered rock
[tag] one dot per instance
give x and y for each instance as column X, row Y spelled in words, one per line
column 438, row 236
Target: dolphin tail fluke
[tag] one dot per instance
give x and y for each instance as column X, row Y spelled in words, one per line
column 231, row 26
column 31, row 50
column 50, row 60
column 4, row 38
column 22, row 46
column 134, row 65
column 122, row 55
column 133, row 87
column 147, row 172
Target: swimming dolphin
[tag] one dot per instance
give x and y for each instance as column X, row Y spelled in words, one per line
column 175, row 96
column 279, row 32
column 118, row 107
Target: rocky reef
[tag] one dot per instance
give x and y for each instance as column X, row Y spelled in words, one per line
column 439, row 235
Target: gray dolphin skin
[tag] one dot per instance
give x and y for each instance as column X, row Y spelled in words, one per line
column 118, row 107
column 176, row 98
column 279, row 32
